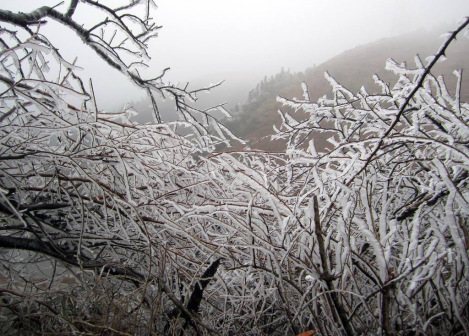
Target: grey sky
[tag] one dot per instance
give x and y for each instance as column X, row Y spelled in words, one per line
column 259, row 36
column 240, row 41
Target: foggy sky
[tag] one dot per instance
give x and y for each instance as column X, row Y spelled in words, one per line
column 261, row 36
column 207, row 41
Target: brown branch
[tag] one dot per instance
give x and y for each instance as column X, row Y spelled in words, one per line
column 429, row 200
column 68, row 256
column 26, row 19
column 72, row 8
column 196, row 296
column 326, row 276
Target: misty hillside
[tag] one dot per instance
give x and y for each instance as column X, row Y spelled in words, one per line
column 353, row 68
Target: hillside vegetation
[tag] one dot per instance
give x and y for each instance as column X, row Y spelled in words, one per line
column 353, row 68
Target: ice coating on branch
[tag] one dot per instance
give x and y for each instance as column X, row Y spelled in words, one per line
column 336, row 87
column 154, row 208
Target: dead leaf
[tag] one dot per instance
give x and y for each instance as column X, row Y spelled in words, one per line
column 307, row 333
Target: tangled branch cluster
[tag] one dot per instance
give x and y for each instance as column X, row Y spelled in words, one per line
column 107, row 226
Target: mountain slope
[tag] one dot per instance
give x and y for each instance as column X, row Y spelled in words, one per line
column 353, row 69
